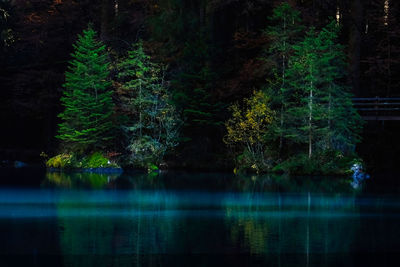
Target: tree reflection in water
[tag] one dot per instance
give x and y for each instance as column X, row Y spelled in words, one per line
column 269, row 217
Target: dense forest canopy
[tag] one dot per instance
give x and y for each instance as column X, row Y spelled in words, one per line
column 214, row 53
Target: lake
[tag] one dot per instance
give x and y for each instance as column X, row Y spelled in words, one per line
column 193, row 219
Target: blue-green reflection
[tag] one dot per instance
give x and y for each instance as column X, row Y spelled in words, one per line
column 78, row 180
column 87, row 220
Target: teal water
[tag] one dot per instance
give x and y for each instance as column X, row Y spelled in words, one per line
column 195, row 219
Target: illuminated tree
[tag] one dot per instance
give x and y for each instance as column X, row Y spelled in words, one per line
column 248, row 126
column 87, row 123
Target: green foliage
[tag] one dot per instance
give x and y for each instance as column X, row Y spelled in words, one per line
column 181, row 31
column 310, row 102
column 329, row 162
column 152, row 127
column 73, row 161
column 87, row 118
column 301, row 108
column 96, row 160
column 61, row 161
column 79, row 180
column 284, row 32
column 152, row 169
column 193, row 88
column 192, row 96
column 145, row 150
column 319, row 111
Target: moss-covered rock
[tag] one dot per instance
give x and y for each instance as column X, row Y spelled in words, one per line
column 97, row 160
column 72, row 161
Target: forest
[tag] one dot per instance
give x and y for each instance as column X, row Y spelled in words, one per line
column 244, row 85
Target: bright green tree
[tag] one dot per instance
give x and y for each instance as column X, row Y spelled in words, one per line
column 151, row 125
column 87, row 117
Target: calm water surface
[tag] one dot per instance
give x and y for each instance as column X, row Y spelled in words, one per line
column 179, row 219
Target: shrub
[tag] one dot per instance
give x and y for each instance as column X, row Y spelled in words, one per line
column 329, row 162
column 246, row 130
column 60, row 161
column 96, row 160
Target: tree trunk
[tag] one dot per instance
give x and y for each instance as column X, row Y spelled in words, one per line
column 310, row 103
column 140, row 109
column 329, row 119
column 282, row 86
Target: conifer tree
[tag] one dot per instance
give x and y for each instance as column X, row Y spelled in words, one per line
column 321, row 114
column 86, row 119
column 283, row 33
column 342, row 123
column 302, row 111
column 194, row 95
column 151, row 126
column 193, row 89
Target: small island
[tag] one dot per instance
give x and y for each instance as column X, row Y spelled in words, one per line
column 124, row 111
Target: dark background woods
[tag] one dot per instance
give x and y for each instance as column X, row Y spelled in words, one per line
column 221, row 39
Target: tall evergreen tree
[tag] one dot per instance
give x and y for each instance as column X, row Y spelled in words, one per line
column 193, row 94
column 87, row 123
column 283, row 33
column 184, row 28
column 321, row 113
column 341, row 121
column 303, row 75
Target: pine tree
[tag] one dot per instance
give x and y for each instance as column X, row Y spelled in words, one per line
column 152, row 126
column 342, row 123
column 283, row 33
column 193, row 88
column 87, row 123
column 321, row 114
column 303, row 75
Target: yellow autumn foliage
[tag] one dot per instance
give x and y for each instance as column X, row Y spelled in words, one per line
column 247, row 126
